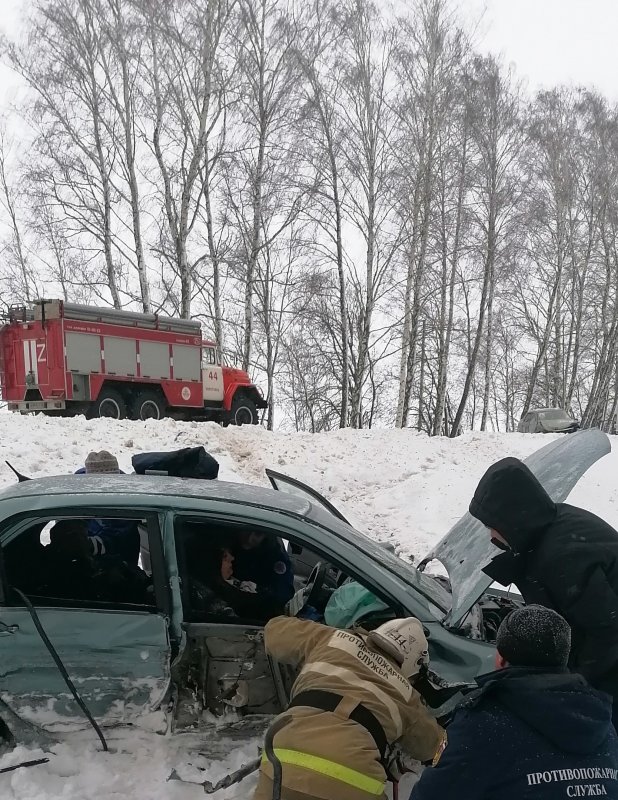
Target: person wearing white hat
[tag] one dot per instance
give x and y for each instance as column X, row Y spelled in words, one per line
column 111, row 537
column 101, row 463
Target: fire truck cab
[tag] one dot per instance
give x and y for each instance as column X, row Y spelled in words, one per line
column 64, row 359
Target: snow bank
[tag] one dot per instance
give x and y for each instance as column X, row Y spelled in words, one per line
column 397, row 485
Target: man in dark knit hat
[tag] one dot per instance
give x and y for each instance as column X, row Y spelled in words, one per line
column 531, row 729
column 559, row 556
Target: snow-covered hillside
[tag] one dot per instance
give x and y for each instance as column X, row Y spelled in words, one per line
column 398, row 484
column 392, row 484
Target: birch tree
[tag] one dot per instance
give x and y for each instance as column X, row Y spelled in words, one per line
column 187, row 77
column 429, row 59
column 75, row 155
column 19, row 276
column 366, row 63
column 495, row 195
column 120, row 59
column 262, row 186
column 317, row 55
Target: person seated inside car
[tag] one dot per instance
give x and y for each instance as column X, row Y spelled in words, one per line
column 263, row 560
column 114, row 536
column 120, row 582
column 74, row 573
column 218, row 592
column 24, row 560
column 68, row 562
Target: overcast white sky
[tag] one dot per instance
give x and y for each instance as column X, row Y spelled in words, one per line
column 549, row 41
column 11, row 11
column 554, row 41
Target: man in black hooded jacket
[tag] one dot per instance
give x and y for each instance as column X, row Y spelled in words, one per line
column 558, row 556
column 531, row 730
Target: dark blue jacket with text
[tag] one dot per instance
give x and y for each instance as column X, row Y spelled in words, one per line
column 527, row 734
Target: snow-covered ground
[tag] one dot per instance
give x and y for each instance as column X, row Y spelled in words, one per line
column 392, row 484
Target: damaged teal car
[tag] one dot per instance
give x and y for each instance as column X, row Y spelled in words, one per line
column 126, row 660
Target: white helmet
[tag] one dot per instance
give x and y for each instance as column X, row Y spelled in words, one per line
column 404, row 641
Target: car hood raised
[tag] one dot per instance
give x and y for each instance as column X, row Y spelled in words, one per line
column 467, row 548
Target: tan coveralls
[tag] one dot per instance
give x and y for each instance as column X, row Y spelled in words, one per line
column 325, row 754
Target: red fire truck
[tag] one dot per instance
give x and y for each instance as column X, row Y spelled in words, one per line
column 64, row 359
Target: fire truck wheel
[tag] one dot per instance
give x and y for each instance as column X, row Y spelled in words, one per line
column 148, row 405
column 110, row 404
column 243, row 411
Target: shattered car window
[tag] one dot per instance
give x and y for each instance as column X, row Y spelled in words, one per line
column 436, row 594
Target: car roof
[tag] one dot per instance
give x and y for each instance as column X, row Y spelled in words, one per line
column 161, row 490
column 165, row 492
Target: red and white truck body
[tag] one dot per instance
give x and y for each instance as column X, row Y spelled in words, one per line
column 62, row 358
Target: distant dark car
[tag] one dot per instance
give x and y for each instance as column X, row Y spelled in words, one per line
column 547, row 420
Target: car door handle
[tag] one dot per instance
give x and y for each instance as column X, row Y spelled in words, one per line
column 4, row 628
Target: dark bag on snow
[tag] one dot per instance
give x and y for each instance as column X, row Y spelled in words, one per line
column 190, row 462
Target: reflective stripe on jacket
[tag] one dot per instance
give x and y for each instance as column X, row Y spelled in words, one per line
column 327, row 742
column 330, row 769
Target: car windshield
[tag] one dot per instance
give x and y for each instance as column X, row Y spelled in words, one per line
column 331, row 518
column 554, row 414
column 431, row 589
column 426, row 585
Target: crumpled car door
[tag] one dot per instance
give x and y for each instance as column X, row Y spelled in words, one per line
column 118, row 660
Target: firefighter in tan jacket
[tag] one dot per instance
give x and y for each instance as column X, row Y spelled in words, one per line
column 352, row 699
